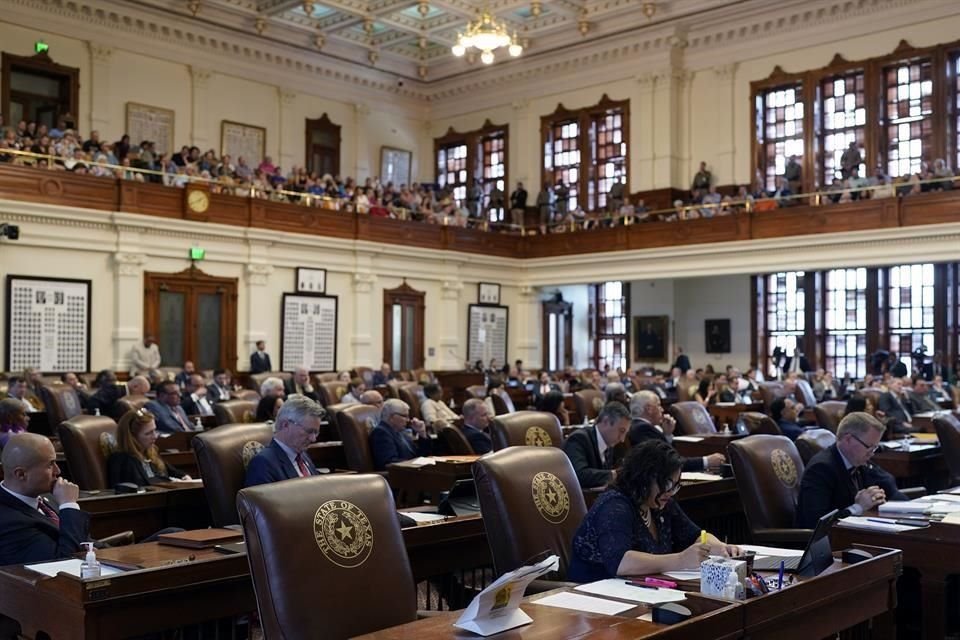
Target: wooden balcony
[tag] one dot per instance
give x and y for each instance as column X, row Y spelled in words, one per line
column 107, row 194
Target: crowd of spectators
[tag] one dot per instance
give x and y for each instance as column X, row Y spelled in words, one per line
column 62, row 148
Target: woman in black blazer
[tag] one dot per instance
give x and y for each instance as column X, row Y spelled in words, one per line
column 136, row 458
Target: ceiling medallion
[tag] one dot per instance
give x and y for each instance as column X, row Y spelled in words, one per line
column 308, row 8
column 583, row 25
column 260, row 25
column 648, row 9
column 423, row 8
column 194, row 7
column 535, row 8
column 486, row 35
column 319, row 41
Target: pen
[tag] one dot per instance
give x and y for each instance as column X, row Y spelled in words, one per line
column 703, row 536
column 634, row 583
column 906, row 523
column 780, row 579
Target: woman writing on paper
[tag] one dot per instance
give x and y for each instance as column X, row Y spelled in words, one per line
column 636, row 528
column 136, row 458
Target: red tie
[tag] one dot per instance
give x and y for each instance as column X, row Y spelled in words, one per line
column 304, row 470
column 48, row 511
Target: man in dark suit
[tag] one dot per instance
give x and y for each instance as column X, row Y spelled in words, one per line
column 296, row 428
column 300, row 383
column 646, row 415
column 594, row 451
column 195, row 402
column 476, row 421
column 544, row 386
column 183, row 377
column 784, row 413
column 389, row 440
column 518, row 205
column 383, row 376
column 219, row 389
column 260, row 359
column 919, row 398
column 891, row 403
column 170, row 416
column 797, row 363
column 936, row 368
column 31, row 528
column 682, row 362
column 842, row 477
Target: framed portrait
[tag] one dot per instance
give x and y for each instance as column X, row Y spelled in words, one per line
column 245, row 140
column 717, row 333
column 308, row 332
column 150, row 123
column 48, row 324
column 650, row 338
column 311, row 280
column 488, row 293
column 396, row 165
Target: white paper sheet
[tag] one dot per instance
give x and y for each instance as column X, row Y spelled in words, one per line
column 871, row 524
column 682, row 575
column 647, row 617
column 71, row 566
column 777, row 552
column 699, row 476
column 423, row 517
column 420, row 462
column 905, row 507
column 618, row 588
column 578, row 602
column 688, row 438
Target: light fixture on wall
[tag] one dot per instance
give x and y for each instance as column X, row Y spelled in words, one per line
column 648, row 9
column 486, row 34
column 194, row 7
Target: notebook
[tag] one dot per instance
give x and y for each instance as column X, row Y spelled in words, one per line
column 200, row 539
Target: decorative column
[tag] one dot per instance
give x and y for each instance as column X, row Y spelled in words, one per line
column 287, row 157
column 524, row 164
column 451, row 355
column 642, row 132
column 128, row 318
column 101, row 57
column 529, row 325
column 361, row 341
column 724, row 160
column 200, row 131
column 257, row 277
column 361, row 114
column 669, row 161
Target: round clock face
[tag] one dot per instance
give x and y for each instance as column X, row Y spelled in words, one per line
column 198, row 201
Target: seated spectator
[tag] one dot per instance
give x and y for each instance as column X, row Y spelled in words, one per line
column 398, row 437
column 272, row 386
column 13, row 419
column 267, row 408
column 136, row 458
column 355, row 389
column 296, row 428
column 784, row 413
column 435, row 413
column 384, row 375
column 476, row 423
column 552, row 402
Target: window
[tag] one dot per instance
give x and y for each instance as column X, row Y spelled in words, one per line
column 610, row 150
column 493, row 173
column 846, row 322
column 844, row 113
column 561, row 158
column 908, row 115
column 609, row 321
column 452, row 170
column 779, row 123
column 786, row 307
column 955, row 107
column 911, row 309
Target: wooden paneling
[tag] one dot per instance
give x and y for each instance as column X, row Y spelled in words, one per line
column 223, row 209
column 930, row 208
column 666, row 234
column 151, row 199
column 57, row 187
column 835, row 218
column 428, row 236
column 561, row 244
column 478, row 241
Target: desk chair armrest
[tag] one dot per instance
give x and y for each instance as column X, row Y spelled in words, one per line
column 792, row 538
column 121, row 539
column 914, row 492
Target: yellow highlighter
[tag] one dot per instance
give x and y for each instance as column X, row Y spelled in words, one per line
column 703, row 536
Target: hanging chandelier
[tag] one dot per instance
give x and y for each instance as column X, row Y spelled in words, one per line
column 486, row 35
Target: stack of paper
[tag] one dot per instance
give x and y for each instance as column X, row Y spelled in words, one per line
column 419, row 516
column 577, row 602
column 776, row 552
column 699, row 476
column 620, row 588
column 688, row 438
column 872, row 524
column 71, row 566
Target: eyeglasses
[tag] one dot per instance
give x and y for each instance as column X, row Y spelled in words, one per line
column 672, row 490
column 869, row 449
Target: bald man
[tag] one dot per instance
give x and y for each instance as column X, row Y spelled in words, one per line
column 31, row 528
column 138, row 386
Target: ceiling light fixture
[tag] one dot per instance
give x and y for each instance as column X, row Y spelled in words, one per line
column 648, row 9
column 535, row 9
column 486, row 35
column 308, row 8
column 423, row 8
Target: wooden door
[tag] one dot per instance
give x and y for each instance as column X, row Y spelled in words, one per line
column 193, row 316
column 403, row 311
column 323, row 146
column 557, row 335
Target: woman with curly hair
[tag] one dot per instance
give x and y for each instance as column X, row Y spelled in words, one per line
column 635, row 527
column 136, row 458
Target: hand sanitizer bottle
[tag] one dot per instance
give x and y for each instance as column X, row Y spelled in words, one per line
column 96, row 411
column 730, row 589
column 90, row 568
column 198, row 424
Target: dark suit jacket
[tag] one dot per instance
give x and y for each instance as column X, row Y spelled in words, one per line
column 919, row 403
column 26, row 535
column 641, row 431
column 217, row 394
column 260, row 362
column 479, row 441
column 105, row 399
column 682, row 362
column 827, row 485
column 790, row 429
column 538, row 393
column 165, row 419
column 584, row 453
column 929, row 372
column 123, row 467
column 273, row 465
column 380, row 380
column 290, row 387
column 388, row 446
column 895, row 414
column 190, row 407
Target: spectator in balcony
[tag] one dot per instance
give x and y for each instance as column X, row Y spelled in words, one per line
column 858, row 185
column 701, row 182
column 711, row 202
column 783, row 194
column 616, row 197
column 545, row 202
column 266, row 166
column 474, row 197
column 793, row 174
column 518, row 205
column 243, row 170
column 562, row 194
column 851, row 158
column 942, row 170
column 93, row 143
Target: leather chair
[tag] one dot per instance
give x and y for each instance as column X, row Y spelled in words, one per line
column 588, row 403
column 332, row 412
column 331, row 392
column 352, row 423
column 128, row 403
column 62, row 402
column 758, row 423
column 477, row 391
column 829, row 413
column 804, row 393
column 235, row 412
column 310, row 582
column 87, row 442
column 768, row 470
column 813, row 441
column 692, row 418
column 948, row 432
column 256, row 379
column 169, row 373
column 503, row 403
column 455, row 443
column 529, row 496
column 245, row 394
column 320, row 378
column 770, row 391
column 526, row 428
column 364, row 373
column 223, row 455
column 408, row 394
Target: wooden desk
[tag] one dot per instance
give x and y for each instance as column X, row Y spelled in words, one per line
column 710, row 444
column 933, row 551
column 433, row 479
column 716, row 506
column 145, row 513
column 728, row 413
column 925, row 465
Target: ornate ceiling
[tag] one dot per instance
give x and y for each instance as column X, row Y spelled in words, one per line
column 413, row 37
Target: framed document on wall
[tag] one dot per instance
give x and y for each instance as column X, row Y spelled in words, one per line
column 311, row 280
column 308, row 332
column 488, row 293
column 243, row 140
column 48, row 324
column 487, row 330
column 150, row 123
column 395, row 165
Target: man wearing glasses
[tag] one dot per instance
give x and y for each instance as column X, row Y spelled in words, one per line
column 397, row 437
column 296, row 428
column 842, row 477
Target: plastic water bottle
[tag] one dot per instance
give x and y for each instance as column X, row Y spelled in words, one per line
column 96, row 411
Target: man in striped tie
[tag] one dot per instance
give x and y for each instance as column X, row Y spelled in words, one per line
column 296, row 427
column 31, row 528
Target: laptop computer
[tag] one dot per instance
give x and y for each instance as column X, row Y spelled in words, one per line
column 817, row 556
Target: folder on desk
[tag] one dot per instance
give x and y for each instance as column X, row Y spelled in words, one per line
column 200, row 539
